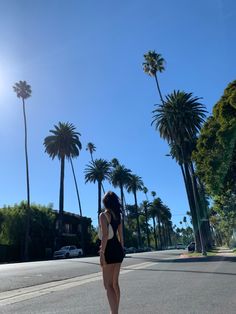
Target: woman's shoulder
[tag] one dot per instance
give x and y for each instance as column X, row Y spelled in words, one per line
column 104, row 215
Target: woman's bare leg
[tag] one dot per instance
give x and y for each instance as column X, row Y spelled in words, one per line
column 116, row 287
column 108, row 273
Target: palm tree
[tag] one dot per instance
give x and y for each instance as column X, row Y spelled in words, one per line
column 23, row 91
column 91, row 148
column 119, row 177
column 135, row 184
column 185, row 221
column 158, row 205
column 153, row 194
column 154, row 63
column 145, row 206
column 179, row 119
column 165, row 217
column 145, row 190
column 153, row 213
column 115, row 162
column 63, row 143
column 98, row 171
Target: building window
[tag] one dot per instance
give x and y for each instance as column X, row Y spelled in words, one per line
column 67, row 228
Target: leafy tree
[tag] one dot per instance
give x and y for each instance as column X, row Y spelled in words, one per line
column 215, row 158
column 223, row 218
column 133, row 185
column 63, row 143
column 23, row 91
column 215, row 155
column 42, row 221
column 98, row 171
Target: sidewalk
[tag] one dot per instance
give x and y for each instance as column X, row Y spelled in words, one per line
column 222, row 252
column 225, row 252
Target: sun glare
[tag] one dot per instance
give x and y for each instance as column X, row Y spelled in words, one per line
column 5, row 82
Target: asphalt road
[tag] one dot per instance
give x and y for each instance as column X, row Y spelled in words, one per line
column 155, row 282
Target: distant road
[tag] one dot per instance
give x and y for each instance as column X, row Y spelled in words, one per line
column 152, row 282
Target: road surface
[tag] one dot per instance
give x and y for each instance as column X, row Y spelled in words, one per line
column 152, row 282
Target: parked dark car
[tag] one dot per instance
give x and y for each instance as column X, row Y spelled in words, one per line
column 130, row 250
column 191, row 247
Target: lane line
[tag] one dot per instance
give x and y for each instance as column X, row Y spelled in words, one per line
column 22, row 294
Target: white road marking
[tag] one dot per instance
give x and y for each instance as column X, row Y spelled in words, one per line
column 22, row 294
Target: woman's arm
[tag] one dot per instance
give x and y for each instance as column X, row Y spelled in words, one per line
column 120, row 233
column 104, row 229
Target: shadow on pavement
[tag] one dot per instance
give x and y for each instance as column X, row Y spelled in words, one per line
column 181, row 271
column 188, row 259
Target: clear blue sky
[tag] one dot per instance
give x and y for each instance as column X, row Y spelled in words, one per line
column 83, row 60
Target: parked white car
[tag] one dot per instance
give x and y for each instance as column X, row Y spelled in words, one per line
column 68, row 251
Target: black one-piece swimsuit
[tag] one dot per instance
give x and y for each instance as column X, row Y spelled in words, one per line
column 114, row 252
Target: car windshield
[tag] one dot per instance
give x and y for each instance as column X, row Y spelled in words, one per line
column 64, row 248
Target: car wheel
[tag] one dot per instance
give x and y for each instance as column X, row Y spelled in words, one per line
column 67, row 255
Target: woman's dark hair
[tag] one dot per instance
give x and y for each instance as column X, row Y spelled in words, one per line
column 111, row 201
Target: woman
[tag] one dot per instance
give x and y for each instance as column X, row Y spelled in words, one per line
column 111, row 251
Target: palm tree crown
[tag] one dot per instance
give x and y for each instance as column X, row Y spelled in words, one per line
column 153, row 193
column 180, row 115
column 91, row 148
column 22, row 89
column 145, row 190
column 64, row 142
column 120, row 176
column 97, row 171
column 134, row 184
column 153, row 63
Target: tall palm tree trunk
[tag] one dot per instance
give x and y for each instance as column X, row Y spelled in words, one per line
column 99, row 199
column 164, row 236
column 26, row 246
column 158, row 88
column 137, row 219
column 61, row 203
column 198, row 210
column 188, row 187
column 76, row 187
column 194, row 211
column 147, row 230
column 122, row 210
column 154, row 231
column 169, row 236
column 159, row 231
column 209, row 241
column 80, row 208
